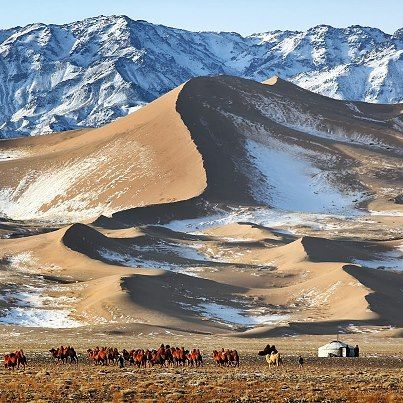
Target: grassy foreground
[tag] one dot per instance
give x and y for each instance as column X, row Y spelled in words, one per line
column 377, row 376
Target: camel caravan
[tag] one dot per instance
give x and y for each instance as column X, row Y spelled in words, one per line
column 164, row 356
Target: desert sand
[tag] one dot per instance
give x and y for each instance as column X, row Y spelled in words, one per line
column 144, row 158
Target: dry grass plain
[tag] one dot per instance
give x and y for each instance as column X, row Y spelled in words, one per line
column 377, row 376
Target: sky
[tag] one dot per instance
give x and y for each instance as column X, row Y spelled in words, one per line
column 242, row 16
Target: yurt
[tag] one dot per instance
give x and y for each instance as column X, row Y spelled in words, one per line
column 336, row 348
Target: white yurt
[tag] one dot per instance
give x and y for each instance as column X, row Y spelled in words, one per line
column 336, row 348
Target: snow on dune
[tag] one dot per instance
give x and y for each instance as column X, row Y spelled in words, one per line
column 25, row 298
column 7, row 155
column 292, row 183
column 26, row 262
column 268, row 217
column 236, row 316
column 31, row 307
column 164, row 256
column 290, row 114
column 231, row 316
column 76, row 188
column 387, row 213
column 392, row 260
column 387, row 263
column 40, row 189
column 36, row 317
column 22, row 260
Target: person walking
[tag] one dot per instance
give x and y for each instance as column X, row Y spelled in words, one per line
column 300, row 361
column 121, row 361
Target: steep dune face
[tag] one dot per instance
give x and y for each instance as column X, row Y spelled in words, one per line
column 144, row 158
column 283, row 146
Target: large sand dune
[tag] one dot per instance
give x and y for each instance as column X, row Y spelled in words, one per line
column 145, row 158
column 226, row 206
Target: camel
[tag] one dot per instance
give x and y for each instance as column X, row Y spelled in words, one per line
column 226, row 357
column 64, row 353
column 274, row 358
column 15, row 359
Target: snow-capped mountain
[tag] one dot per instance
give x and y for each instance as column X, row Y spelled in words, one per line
column 88, row 73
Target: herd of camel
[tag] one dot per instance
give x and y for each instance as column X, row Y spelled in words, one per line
column 165, row 355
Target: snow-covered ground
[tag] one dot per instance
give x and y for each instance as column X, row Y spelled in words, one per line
column 231, row 316
column 25, row 298
column 292, row 183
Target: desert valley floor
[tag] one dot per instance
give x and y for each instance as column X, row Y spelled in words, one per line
column 376, row 376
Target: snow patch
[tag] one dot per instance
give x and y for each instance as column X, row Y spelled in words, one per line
column 389, row 261
column 391, row 213
column 236, row 316
column 292, row 183
column 25, row 298
column 36, row 317
column 7, row 155
column 128, row 260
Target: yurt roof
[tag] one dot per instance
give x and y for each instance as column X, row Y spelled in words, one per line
column 334, row 344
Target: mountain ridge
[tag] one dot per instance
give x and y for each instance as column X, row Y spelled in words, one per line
column 90, row 72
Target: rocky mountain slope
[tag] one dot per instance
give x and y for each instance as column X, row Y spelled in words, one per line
column 88, row 73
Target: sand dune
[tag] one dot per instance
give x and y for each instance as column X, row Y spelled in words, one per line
column 243, row 293
column 226, row 206
column 145, row 158
column 248, row 139
column 253, row 137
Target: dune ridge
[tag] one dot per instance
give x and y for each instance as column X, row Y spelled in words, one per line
column 142, row 159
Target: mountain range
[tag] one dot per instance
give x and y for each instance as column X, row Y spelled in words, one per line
column 91, row 72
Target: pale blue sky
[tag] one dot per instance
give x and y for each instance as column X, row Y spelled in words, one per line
column 243, row 16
